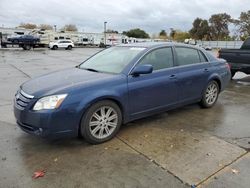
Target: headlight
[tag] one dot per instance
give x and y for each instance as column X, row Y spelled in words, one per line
column 50, row 102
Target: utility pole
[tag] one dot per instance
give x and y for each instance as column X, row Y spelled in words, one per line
column 105, row 23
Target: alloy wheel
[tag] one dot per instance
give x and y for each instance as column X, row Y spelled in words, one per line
column 103, row 122
column 211, row 93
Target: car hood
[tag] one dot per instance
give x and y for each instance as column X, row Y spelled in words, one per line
column 62, row 81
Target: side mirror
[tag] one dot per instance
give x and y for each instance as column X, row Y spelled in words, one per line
column 142, row 69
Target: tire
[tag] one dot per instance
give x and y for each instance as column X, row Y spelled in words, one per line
column 210, row 95
column 106, row 119
column 27, row 47
column 69, row 47
column 55, row 47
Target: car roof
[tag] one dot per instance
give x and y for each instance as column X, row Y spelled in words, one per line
column 68, row 40
column 156, row 44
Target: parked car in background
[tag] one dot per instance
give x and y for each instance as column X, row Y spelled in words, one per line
column 24, row 39
column 66, row 44
column 208, row 48
column 118, row 85
column 239, row 59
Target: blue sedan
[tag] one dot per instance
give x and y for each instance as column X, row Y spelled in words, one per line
column 116, row 86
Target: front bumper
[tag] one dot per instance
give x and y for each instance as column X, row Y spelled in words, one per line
column 61, row 122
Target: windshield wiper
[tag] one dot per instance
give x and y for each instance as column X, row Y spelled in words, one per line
column 90, row 69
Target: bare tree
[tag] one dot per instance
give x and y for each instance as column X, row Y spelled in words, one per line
column 46, row 26
column 28, row 25
column 70, row 27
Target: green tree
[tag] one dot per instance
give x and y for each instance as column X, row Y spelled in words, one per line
column 200, row 29
column 163, row 33
column 136, row 33
column 70, row 27
column 172, row 33
column 28, row 25
column 180, row 36
column 219, row 26
column 244, row 24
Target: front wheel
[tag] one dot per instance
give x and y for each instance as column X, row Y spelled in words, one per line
column 101, row 122
column 55, row 47
column 69, row 48
column 210, row 95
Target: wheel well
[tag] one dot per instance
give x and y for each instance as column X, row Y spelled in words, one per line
column 218, row 82
column 98, row 100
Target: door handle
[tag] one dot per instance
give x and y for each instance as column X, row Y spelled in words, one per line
column 173, row 76
column 206, row 70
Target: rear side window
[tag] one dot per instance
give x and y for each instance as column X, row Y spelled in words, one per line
column 187, row 56
column 160, row 58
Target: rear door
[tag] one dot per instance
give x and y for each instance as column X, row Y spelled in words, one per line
column 155, row 91
column 61, row 44
column 193, row 72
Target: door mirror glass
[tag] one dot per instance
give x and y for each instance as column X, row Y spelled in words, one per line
column 142, row 69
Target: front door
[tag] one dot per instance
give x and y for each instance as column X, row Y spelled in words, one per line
column 157, row 90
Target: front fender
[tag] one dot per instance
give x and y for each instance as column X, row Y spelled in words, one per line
column 118, row 96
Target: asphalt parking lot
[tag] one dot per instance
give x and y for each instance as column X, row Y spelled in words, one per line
column 179, row 148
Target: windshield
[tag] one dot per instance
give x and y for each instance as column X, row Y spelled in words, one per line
column 111, row 60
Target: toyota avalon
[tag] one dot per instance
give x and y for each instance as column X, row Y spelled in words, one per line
column 118, row 85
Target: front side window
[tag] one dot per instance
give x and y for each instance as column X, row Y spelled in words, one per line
column 160, row 58
column 187, row 56
column 111, row 60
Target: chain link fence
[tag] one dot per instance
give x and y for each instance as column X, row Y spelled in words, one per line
column 221, row 44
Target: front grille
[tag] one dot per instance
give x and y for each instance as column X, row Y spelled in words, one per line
column 22, row 99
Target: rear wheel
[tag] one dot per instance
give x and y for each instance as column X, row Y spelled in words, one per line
column 69, row 47
column 26, row 47
column 55, row 47
column 210, row 95
column 101, row 122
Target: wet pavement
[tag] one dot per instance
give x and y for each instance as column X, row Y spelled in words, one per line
column 179, row 148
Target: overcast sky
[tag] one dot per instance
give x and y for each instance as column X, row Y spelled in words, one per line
column 89, row 15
